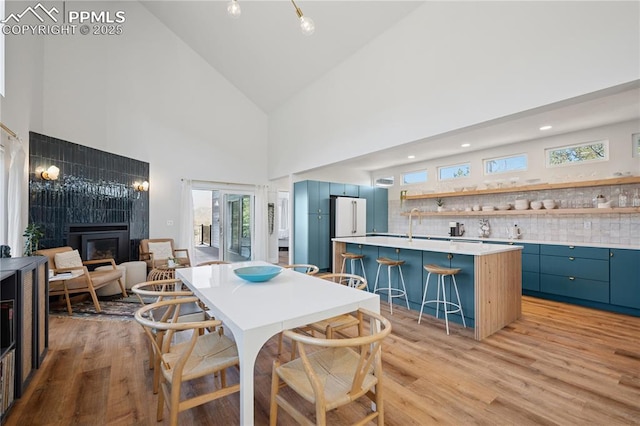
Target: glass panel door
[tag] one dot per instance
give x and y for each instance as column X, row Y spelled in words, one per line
column 206, row 225
column 237, row 224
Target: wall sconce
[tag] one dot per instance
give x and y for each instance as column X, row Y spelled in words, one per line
column 144, row 186
column 51, row 173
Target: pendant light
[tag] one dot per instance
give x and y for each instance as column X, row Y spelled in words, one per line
column 233, row 8
column 307, row 26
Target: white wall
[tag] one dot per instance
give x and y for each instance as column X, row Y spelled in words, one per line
column 620, row 160
column 146, row 95
column 21, row 107
column 453, row 64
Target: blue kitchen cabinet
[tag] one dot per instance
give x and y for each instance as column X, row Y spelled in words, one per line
column 576, row 272
column 574, row 251
column 311, row 240
column 411, row 272
column 624, row 269
column 370, row 265
column 377, row 208
column 464, row 280
column 531, row 267
column 356, row 249
column 319, row 248
column 343, row 190
column 311, row 196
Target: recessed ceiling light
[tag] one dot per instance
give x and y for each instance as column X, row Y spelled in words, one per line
column 465, row 145
column 411, row 157
column 545, row 127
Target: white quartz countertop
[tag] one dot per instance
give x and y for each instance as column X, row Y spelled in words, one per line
column 520, row 241
column 479, row 248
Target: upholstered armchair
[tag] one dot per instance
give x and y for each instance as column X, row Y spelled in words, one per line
column 65, row 261
column 156, row 252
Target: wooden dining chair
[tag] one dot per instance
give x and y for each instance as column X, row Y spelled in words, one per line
column 202, row 355
column 156, row 291
column 304, row 268
column 344, row 321
column 213, row 262
column 331, row 373
column 335, row 324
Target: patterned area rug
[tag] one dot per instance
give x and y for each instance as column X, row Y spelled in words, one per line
column 121, row 309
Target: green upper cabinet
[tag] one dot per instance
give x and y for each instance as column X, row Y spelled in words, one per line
column 377, row 208
column 344, row 190
column 624, row 267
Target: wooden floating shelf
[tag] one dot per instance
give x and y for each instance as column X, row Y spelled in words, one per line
column 537, row 187
column 614, row 210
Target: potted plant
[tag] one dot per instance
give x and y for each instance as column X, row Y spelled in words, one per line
column 32, row 233
column 440, row 204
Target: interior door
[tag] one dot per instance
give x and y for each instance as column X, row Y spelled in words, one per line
column 236, row 226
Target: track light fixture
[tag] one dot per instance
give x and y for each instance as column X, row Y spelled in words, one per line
column 307, row 26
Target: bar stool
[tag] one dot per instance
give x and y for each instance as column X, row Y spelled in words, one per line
column 353, row 258
column 442, row 272
column 391, row 291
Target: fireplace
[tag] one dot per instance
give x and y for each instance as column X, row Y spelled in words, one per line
column 100, row 240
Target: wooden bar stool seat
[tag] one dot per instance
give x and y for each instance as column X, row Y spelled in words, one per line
column 389, row 289
column 353, row 258
column 443, row 272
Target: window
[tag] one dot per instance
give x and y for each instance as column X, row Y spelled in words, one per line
column 414, row 177
column 454, row 172
column 385, row 182
column 577, row 154
column 511, row 163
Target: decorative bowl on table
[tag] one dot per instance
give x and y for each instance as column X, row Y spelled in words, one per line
column 536, row 205
column 258, row 274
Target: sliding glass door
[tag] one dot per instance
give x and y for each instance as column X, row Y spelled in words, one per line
column 237, row 227
column 223, row 225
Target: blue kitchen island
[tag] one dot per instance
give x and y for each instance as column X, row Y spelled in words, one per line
column 490, row 280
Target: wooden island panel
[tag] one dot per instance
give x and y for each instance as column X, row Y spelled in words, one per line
column 498, row 291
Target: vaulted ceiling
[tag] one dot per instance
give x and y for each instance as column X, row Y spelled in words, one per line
column 265, row 55
column 263, row 52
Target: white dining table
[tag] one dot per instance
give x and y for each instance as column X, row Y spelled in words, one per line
column 255, row 312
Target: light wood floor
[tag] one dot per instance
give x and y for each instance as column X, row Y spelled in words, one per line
column 559, row 364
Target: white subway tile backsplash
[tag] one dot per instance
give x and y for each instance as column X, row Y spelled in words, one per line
column 613, row 228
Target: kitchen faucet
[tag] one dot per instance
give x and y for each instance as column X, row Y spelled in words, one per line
column 413, row 210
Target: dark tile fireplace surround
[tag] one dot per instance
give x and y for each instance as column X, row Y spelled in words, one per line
column 93, row 205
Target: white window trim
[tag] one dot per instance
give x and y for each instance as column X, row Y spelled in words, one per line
column 486, row 160
column 547, row 152
column 468, row 164
column 402, row 183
